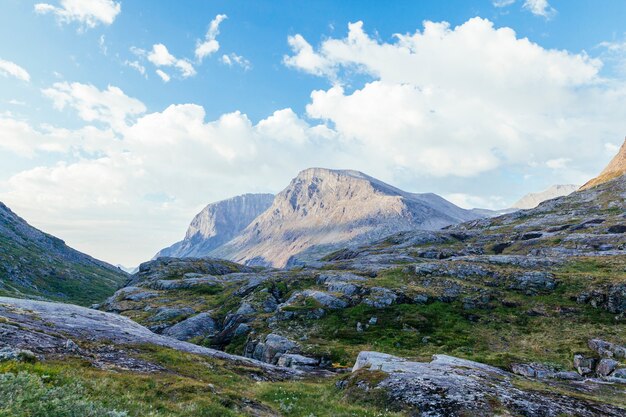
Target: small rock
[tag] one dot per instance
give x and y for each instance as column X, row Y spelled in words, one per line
column 359, row 327
column 295, row 361
column 606, row 366
column 380, row 298
column 584, row 366
column 21, row 355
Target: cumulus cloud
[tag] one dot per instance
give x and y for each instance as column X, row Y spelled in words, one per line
column 459, row 101
column 305, row 58
column 462, row 111
column 11, row 69
column 210, row 45
column 88, row 13
column 174, row 153
column 161, row 57
column 540, row 8
column 110, row 106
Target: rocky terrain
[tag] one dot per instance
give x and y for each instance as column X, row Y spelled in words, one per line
column 535, row 299
column 532, row 200
column 218, row 223
column 322, row 209
column 35, row 264
column 519, row 315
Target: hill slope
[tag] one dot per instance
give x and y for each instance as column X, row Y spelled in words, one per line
column 323, row 207
column 614, row 169
column 216, row 224
column 36, row 264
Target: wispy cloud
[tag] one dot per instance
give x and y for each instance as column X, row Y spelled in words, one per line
column 11, row 69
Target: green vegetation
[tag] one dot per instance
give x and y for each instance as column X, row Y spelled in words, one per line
column 192, row 385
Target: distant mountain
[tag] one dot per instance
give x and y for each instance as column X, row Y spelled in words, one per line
column 615, row 168
column 34, row 264
column 324, row 208
column 532, row 200
column 216, row 224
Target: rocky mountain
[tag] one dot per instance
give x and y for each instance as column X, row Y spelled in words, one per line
column 512, row 309
column 218, row 223
column 323, row 208
column 520, row 314
column 36, row 264
column 532, row 200
column 615, row 168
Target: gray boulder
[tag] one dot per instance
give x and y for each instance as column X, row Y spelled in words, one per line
column 534, row 282
column 325, row 299
column 170, row 313
column 380, row 298
column 607, row 349
column 585, row 366
column 606, row 367
column 199, row 325
column 271, row 349
column 299, row 362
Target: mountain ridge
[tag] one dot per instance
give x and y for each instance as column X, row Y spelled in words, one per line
column 323, row 206
column 37, row 264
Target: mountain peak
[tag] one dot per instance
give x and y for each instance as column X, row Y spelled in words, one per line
column 615, row 168
column 325, row 208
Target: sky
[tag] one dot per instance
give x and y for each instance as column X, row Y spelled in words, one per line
column 120, row 119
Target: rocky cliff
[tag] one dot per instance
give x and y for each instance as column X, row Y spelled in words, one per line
column 218, row 223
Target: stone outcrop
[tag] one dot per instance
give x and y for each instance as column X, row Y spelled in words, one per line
column 449, row 386
column 45, row 327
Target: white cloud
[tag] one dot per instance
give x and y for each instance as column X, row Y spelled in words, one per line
column 459, row 101
column 305, row 58
column 110, row 106
column 540, row 8
column 558, row 163
column 88, row 13
column 136, row 66
column 469, row 201
column 233, row 59
column 462, row 111
column 502, row 3
column 210, row 45
column 102, row 45
column 8, row 68
column 161, row 57
column 164, row 76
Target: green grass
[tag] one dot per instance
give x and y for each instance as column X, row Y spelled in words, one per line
column 192, row 385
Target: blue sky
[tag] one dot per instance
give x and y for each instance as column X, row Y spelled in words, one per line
column 508, row 98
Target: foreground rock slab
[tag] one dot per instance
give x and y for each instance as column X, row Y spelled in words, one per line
column 449, row 386
column 51, row 328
